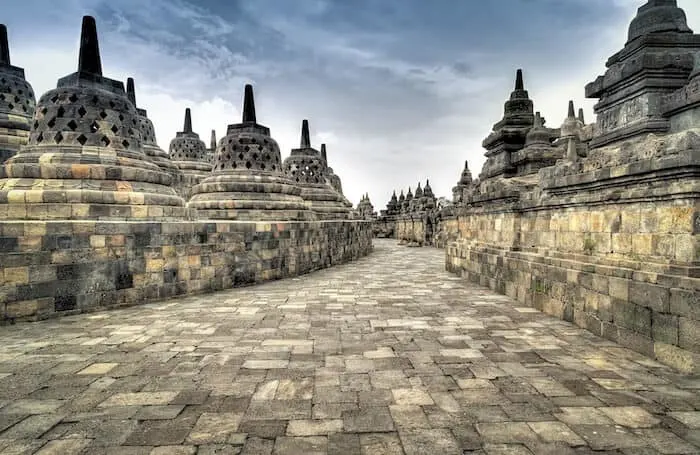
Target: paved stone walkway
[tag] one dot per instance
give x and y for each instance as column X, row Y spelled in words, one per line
column 388, row 355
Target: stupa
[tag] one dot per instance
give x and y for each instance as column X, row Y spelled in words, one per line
column 309, row 170
column 84, row 158
column 211, row 151
column 247, row 181
column 509, row 133
column 365, row 209
column 657, row 60
column 333, row 179
column 17, row 103
column 148, row 136
column 464, row 181
column 539, row 151
column 189, row 154
column 406, row 205
column 392, row 207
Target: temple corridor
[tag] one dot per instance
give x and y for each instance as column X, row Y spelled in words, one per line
column 389, row 354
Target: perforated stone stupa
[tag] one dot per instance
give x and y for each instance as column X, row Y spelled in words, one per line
column 189, row 154
column 248, row 182
column 84, row 158
column 148, row 137
column 309, row 170
column 17, row 103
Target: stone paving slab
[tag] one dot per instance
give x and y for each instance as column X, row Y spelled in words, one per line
column 387, row 355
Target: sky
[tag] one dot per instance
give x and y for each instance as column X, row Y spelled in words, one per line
column 400, row 90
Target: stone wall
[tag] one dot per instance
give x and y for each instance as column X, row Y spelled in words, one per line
column 53, row 268
column 615, row 250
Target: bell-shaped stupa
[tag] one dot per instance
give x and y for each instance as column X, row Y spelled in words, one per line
column 148, row 136
column 189, row 154
column 17, row 103
column 248, row 182
column 84, row 158
column 308, row 169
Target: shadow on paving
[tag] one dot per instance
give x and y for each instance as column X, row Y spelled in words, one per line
column 387, row 355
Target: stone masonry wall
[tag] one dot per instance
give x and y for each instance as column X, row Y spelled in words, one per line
column 52, row 268
column 625, row 271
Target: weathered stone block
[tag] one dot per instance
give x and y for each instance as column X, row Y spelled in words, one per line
column 689, row 334
column 651, row 296
column 664, row 328
column 685, row 303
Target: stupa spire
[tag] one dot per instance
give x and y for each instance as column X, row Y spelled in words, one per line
column 580, row 115
column 89, row 60
column 249, row 105
column 305, row 137
column 188, row 121
column 131, row 90
column 4, row 46
column 572, row 111
column 519, row 84
column 323, row 152
column 212, row 142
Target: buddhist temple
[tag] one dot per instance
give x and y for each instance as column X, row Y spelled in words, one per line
column 247, row 181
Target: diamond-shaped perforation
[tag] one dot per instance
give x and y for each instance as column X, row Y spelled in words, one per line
column 105, row 141
column 82, row 139
column 103, row 115
column 61, row 111
column 73, row 125
column 58, row 137
column 94, row 127
column 73, row 98
column 51, row 123
column 82, row 111
column 114, row 129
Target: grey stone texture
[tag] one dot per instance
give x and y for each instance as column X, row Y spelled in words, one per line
column 54, row 268
column 401, row 358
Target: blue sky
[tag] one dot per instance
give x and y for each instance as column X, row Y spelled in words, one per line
column 400, row 90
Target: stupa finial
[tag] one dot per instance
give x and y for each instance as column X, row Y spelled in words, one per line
column 131, row 90
column 305, row 137
column 580, row 115
column 89, row 60
column 519, row 84
column 323, row 152
column 249, row 105
column 188, row 121
column 212, row 143
column 538, row 120
column 572, row 110
column 4, row 46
